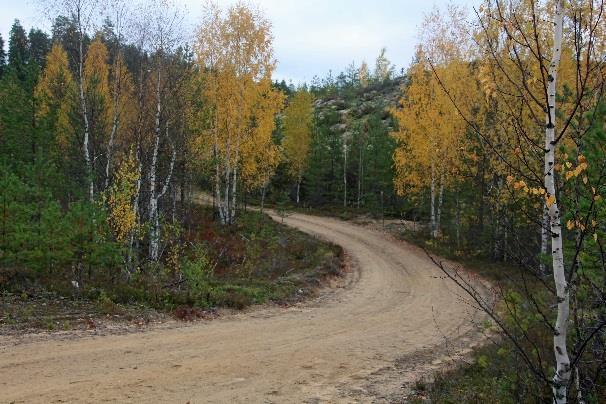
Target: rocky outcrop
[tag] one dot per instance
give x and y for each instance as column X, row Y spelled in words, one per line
column 350, row 108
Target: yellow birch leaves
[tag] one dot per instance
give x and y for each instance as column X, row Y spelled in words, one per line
column 297, row 121
column 121, row 215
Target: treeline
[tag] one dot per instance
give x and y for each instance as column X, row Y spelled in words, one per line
column 502, row 143
column 336, row 142
column 108, row 128
column 111, row 123
column 93, row 149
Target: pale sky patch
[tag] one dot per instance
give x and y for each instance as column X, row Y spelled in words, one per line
column 311, row 36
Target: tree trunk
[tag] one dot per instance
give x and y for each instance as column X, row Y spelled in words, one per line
column 497, row 227
column 458, row 223
column 116, row 118
column 298, row 190
column 153, row 200
column 544, row 239
column 482, row 203
column 217, row 198
column 360, row 175
column 84, row 111
column 132, row 238
column 110, row 146
column 440, row 203
column 561, row 377
column 344, row 173
column 432, row 202
column 225, row 204
column 505, row 245
column 134, row 241
column 232, row 211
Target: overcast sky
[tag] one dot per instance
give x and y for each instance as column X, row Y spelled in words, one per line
column 311, row 36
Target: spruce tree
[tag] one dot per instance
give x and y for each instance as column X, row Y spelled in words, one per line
column 39, row 46
column 18, row 49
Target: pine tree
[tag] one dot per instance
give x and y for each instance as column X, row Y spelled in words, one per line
column 384, row 70
column 39, row 46
column 18, row 49
column 15, row 120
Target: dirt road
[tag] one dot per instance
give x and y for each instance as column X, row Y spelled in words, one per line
column 338, row 348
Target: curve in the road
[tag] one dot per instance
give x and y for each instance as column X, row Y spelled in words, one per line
column 398, row 305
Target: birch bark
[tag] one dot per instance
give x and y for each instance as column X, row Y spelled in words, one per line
column 83, row 105
column 561, row 377
column 153, row 200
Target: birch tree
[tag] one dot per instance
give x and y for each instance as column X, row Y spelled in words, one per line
column 562, row 373
column 298, row 121
column 384, row 70
column 520, row 59
column 542, row 63
column 84, row 14
column 121, row 86
column 364, row 74
column 165, row 20
column 430, row 137
column 432, row 133
column 260, row 152
column 235, row 52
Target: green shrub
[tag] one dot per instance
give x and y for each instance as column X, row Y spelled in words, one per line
column 197, row 271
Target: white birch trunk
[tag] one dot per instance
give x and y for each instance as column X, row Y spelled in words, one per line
column 217, row 200
column 298, row 189
column 84, row 110
column 155, row 222
column 153, row 200
column 135, row 211
column 170, row 169
column 561, row 377
column 544, row 238
column 134, row 241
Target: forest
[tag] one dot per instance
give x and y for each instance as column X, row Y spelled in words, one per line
column 137, row 160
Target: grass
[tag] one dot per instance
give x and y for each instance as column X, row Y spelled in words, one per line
column 210, row 266
column 257, row 260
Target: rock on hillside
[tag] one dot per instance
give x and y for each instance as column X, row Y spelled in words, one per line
column 348, row 108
